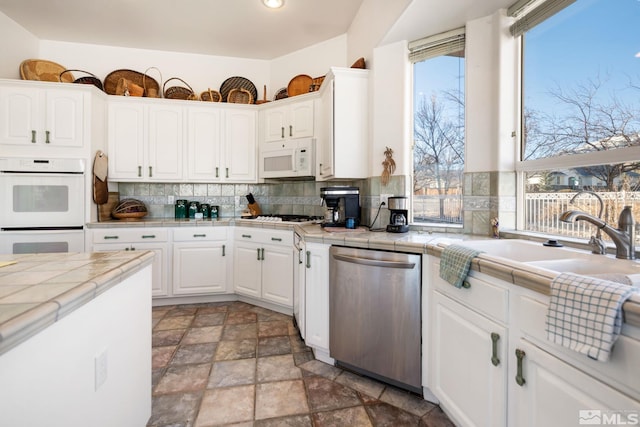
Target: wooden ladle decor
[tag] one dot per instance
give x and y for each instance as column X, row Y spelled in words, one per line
column 389, row 166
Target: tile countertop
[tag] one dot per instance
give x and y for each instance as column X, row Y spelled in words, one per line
column 37, row 290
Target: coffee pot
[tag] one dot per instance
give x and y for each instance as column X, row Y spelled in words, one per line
column 398, row 215
column 342, row 203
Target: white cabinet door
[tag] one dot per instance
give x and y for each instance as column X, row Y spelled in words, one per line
column 324, row 147
column 290, row 121
column 165, row 143
column 299, row 300
column 160, row 266
column 199, row 268
column 555, row 394
column 126, row 139
column 277, row 274
column 39, row 117
column 247, row 269
column 240, row 146
column 204, row 144
column 466, row 374
column 317, row 295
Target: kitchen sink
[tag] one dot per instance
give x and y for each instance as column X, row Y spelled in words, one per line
column 522, row 250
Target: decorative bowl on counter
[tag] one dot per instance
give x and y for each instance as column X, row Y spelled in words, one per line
column 129, row 209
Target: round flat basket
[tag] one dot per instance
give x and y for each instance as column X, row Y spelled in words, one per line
column 240, row 96
column 238, row 83
column 129, row 209
column 144, row 81
column 299, row 84
column 211, row 96
column 281, row 94
column 91, row 79
column 45, row 71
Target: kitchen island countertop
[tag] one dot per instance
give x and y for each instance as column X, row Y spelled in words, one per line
column 37, row 290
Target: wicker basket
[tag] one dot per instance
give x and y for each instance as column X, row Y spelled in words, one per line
column 43, row 70
column 112, row 81
column 211, row 96
column 91, row 79
column 129, row 208
column 316, row 83
column 240, row 96
column 178, row 92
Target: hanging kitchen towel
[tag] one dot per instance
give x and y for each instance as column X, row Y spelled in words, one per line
column 100, row 186
column 455, row 262
column 585, row 314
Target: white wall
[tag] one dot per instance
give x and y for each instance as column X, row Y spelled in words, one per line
column 16, row 45
column 49, row 380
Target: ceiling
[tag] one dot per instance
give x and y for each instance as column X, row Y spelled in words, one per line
column 237, row 28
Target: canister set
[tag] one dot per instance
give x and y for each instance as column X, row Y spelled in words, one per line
column 195, row 210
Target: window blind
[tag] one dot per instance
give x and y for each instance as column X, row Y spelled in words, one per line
column 533, row 17
column 445, row 43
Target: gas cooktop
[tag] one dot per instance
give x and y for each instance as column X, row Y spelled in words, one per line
column 287, row 218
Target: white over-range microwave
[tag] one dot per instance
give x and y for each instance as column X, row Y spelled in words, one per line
column 287, row 159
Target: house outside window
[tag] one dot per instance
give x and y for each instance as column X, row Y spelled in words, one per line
column 438, row 132
column 580, row 112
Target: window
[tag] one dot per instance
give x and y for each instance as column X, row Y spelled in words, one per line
column 438, row 149
column 580, row 111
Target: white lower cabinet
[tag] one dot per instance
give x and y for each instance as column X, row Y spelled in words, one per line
column 545, row 391
column 263, row 264
column 200, row 260
column 141, row 239
column 468, row 371
column 317, row 298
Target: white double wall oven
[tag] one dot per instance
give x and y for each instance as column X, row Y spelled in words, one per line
column 42, row 205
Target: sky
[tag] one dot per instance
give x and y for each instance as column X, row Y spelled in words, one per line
column 588, row 39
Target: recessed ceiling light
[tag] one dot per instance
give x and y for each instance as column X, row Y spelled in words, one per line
column 273, row 4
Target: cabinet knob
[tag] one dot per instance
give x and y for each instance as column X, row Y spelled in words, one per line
column 149, row 236
column 139, row 171
column 258, row 250
column 150, row 171
column 282, row 132
column 110, row 237
column 217, row 172
column 226, row 172
column 290, row 130
column 46, row 133
column 276, row 239
column 246, row 236
column 33, row 136
column 199, row 235
column 308, row 259
column 223, row 249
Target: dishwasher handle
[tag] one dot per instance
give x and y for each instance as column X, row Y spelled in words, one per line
column 375, row 262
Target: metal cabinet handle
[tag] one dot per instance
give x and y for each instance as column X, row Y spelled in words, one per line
column 258, row 250
column 495, row 337
column 290, row 130
column 149, row 236
column 110, row 237
column 139, row 171
column 282, row 132
column 217, row 172
column 226, row 172
column 320, row 168
column 127, row 249
column 262, row 254
column 519, row 377
column 466, row 285
column 33, row 136
column 199, row 235
column 223, row 249
column 299, row 256
column 46, row 140
column 150, row 171
column 246, row 236
column 276, row 239
column 308, row 259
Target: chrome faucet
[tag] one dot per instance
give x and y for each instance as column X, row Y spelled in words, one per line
column 623, row 237
column 597, row 244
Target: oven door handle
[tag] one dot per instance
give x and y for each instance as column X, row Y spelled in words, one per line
column 375, row 262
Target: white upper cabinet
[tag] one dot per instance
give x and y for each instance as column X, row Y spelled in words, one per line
column 292, row 120
column 204, row 144
column 240, row 150
column 38, row 117
column 145, row 141
column 343, row 139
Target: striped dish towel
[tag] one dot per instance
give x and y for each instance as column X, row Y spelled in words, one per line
column 585, row 314
column 455, row 262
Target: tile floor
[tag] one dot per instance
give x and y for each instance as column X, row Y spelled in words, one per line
column 235, row 364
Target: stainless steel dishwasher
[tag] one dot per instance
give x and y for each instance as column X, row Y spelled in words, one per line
column 375, row 322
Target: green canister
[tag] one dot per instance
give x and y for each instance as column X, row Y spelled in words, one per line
column 205, row 208
column 194, row 208
column 180, row 209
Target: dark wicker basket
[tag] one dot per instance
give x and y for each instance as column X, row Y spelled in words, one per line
column 91, row 79
column 178, row 92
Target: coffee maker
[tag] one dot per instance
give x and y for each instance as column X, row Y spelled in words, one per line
column 398, row 215
column 342, row 203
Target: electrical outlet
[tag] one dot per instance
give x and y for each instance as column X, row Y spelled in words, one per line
column 385, row 198
column 171, row 199
column 101, row 369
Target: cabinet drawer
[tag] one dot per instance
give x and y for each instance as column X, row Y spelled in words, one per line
column 621, row 369
column 263, row 236
column 134, row 235
column 485, row 297
column 200, row 234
